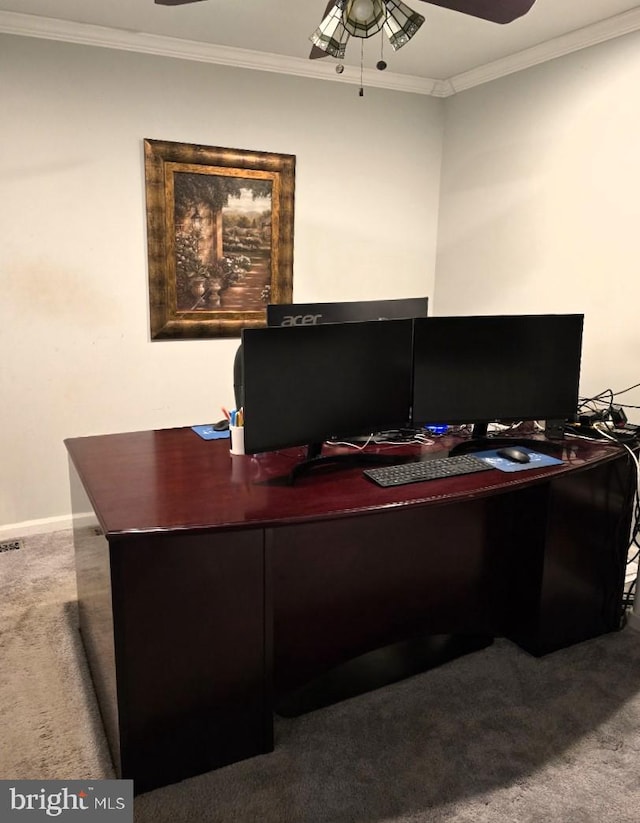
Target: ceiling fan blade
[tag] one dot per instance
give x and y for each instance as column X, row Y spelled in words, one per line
column 496, row 11
column 316, row 53
column 175, row 2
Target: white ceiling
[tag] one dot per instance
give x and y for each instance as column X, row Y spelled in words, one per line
column 450, row 52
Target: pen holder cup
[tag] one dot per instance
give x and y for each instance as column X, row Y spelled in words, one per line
column 237, row 439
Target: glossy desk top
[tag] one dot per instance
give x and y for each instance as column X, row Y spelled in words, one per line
column 173, row 479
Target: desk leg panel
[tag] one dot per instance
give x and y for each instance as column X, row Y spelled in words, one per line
column 574, row 582
column 93, row 579
column 189, row 631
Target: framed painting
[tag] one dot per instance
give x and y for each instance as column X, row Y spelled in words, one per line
column 219, row 237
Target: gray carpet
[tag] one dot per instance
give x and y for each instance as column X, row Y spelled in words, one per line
column 495, row 736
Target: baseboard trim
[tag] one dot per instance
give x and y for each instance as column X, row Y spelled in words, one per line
column 46, row 525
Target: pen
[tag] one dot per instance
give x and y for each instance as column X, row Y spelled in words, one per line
column 226, row 413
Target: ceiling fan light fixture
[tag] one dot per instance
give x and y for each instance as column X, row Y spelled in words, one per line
column 331, row 36
column 401, row 23
column 364, row 18
column 362, row 9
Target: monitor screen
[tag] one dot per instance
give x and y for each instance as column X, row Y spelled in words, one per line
column 496, row 368
column 312, row 314
column 306, row 384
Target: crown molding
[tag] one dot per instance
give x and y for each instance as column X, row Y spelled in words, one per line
column 617, row 26
column 48, row 28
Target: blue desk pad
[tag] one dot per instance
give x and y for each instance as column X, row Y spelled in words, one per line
column 537, row 461
column 209, row 433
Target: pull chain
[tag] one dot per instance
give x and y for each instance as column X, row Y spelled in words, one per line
column 381, row 64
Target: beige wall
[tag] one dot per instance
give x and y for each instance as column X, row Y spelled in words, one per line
column 539, row 208
column 76, row 354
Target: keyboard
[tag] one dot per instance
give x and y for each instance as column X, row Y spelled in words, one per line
column 439, row 467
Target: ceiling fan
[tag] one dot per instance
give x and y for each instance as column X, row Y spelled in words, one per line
column 364, row 18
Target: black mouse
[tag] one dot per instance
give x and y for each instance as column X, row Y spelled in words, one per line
column 514, row 454
column 221, row 425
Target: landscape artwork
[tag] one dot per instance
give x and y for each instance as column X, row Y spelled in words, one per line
column 220, row 238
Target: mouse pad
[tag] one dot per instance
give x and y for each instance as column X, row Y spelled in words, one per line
column 537, row 461
column 209, row 433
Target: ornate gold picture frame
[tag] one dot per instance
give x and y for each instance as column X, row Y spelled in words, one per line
column 219, row 237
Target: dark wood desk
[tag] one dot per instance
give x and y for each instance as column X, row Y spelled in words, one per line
column 211, row 591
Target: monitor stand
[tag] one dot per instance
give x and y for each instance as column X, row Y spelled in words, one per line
column 316, row 460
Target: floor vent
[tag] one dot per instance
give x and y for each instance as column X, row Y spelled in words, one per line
column 10, row 546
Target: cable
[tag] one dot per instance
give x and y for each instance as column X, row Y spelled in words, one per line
column 352, row 445
column 390, row 437
column 628, row 595
column 609, row 394
column 608, row 436
column 624, row 391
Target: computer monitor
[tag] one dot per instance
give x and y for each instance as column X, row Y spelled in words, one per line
column 306, row 384
column 478, row 370
column 313, row 314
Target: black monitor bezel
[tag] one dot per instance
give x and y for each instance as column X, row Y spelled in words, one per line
column 362, row 342
column 563, row 361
